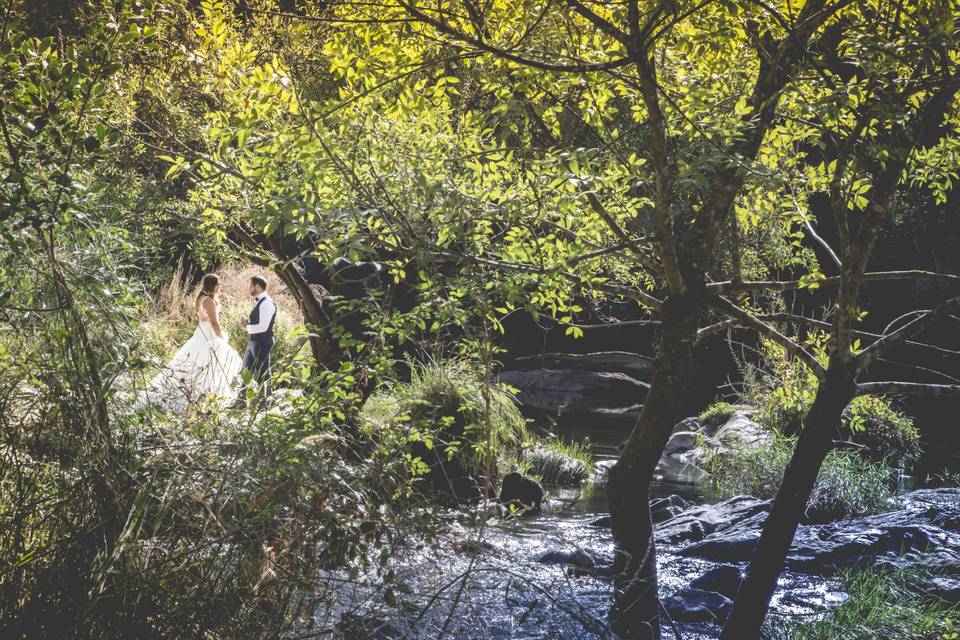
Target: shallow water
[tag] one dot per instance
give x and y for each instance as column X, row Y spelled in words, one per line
column 484, row 580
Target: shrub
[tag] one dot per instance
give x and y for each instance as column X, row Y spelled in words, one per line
column 884, row 432
column 781, row 389
column 453, row 421
column 847, row 484
column 882, row 603
column 716, row 414
column 557, row 462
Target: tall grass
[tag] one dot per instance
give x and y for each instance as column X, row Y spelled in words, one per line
column 559, row 462
column 846, row 485
column 451, row 395
column 882, row 605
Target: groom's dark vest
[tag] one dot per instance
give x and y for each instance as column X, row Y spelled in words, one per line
column 255, row 319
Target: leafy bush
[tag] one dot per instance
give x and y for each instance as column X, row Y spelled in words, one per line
column 781, row 389
column 881, row 604
column 557, row 462
column 847, row 484
column 716, row 414
column 884, row 432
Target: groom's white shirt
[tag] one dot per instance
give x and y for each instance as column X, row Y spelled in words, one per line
column 267, row 311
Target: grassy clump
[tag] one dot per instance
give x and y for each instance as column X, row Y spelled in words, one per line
column 881, row 604
column 884, row 432
column 558, row 462
column 451, row 408
column 716, row 414
column 847, row 484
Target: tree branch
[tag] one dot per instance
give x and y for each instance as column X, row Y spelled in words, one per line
column 748, row 319
column 915, row 326
column 729, row 286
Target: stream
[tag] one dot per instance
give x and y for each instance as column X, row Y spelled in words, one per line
column 547, row 576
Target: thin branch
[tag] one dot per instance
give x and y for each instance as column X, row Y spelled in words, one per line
column 728, row 286
column 911, row 328
column 446, row 28
column 750, row 320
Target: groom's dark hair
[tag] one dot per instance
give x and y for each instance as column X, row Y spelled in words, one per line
column 260, row 281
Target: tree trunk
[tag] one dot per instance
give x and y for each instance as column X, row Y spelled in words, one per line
column 635, row 614
column 815, row 441
column 271, row 255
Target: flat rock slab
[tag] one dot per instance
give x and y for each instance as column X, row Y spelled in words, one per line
column 927, row 525
column 582, row 396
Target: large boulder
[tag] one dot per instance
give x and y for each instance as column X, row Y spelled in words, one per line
column 926, row 526
column 578, row 397
column 692, row 443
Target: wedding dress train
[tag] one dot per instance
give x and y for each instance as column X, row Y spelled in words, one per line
column 205, row 367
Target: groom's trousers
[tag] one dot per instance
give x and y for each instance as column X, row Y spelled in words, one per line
column 256, row 360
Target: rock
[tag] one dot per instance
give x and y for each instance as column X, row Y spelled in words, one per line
column 603, row 522
column 576, row 558
column 729, row 515
column 683, row 456
column 568, row 395
column 631, row 364
column 319, row 441
column 473, row 547
column 724, row 580
column 522, row 492
column 918, row 532
column 680, row 469
column 944, row 588
column 600, row 470
column 663, row 509
column 696, row 605
column 739, row 432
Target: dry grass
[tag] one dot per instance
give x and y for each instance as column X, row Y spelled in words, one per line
column 170, row 317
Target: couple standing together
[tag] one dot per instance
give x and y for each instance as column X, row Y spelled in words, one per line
column 207, row 365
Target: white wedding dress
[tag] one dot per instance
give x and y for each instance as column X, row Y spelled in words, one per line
column 204, row 368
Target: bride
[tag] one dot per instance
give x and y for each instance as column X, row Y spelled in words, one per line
column 206, row 366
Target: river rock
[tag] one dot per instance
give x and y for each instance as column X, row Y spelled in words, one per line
column 576, row 558
column 697, row 605
column 580, row 397
column 663, row 509
column 692, row 442
column 739, row 432
column 521, row 491
column 724, row 580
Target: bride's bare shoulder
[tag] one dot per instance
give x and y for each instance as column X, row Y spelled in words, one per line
column 209, row 305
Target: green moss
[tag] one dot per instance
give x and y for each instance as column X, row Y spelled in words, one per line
column 716, row 414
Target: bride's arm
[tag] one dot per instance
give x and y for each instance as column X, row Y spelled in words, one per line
column 211, row 308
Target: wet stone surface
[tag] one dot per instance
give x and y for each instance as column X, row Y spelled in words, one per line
column 548, row 576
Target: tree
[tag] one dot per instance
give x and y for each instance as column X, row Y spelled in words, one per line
column 900, row 72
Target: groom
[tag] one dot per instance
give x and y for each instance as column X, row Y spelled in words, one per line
column 260, row 327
